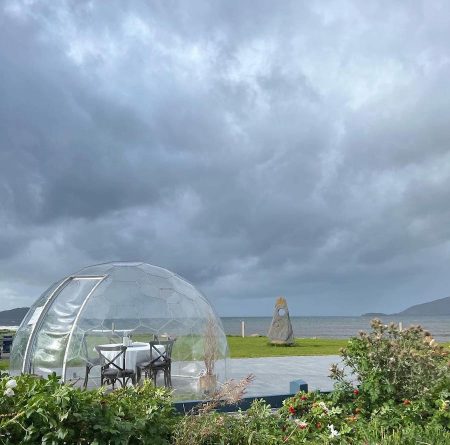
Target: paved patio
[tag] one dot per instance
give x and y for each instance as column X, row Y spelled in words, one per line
column 273, row 374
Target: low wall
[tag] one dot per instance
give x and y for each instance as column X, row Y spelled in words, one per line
column 274, row 400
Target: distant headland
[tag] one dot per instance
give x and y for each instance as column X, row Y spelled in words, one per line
column 435, row 307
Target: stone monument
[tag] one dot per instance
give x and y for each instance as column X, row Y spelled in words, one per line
column 280, row 332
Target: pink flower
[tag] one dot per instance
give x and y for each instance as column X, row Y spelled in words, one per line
column 302, row 425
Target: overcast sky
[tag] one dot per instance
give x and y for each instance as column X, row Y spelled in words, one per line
column 256, row 148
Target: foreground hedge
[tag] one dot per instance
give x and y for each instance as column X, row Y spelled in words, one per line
column 394, row 389
column 35, row 411
column 260, row 426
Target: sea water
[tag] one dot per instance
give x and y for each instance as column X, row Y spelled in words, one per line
column 332, row 327
column 337, row 327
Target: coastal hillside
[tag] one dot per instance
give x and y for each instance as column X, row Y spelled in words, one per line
column 435, row 307
column 13, row 317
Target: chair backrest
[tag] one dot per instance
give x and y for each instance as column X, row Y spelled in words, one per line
column 88, row 348
column 115, row 356
column 158, row 354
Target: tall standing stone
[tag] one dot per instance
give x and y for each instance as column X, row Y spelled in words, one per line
column 280, row 332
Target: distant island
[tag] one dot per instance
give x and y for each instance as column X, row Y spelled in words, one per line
column 435, row 307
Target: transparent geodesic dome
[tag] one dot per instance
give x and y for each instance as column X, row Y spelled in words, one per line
column 102, row 304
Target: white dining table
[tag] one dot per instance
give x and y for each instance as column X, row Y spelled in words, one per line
column 136, row 353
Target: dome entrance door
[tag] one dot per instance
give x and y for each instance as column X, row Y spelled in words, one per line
column 51, row 330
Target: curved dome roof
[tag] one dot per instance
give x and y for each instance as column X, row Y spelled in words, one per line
column 101, row 304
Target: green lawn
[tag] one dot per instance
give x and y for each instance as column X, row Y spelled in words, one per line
column 253, row 347
column 4, row 364
column 250, row 347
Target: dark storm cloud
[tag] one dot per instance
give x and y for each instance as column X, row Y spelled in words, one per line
column 257, row 150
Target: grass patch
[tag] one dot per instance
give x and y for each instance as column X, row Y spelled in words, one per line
column 4, row 363
column 252, row 347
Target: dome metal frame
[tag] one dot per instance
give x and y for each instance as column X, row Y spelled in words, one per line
column 182, row 307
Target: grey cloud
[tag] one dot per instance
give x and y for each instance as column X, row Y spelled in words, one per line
column 255, row 149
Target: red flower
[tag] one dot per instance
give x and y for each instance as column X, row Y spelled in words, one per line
column 318, row 425
column 356, row 392
column 292, row 409
column 406, row 402
column 304, row 397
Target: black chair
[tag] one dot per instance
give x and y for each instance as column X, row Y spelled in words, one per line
column 160, row 360
column 93, row 360
column 111, row 371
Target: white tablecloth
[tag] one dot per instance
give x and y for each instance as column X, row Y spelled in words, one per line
column 135, row 354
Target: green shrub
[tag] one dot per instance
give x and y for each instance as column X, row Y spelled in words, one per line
column 392, row 365
column 395, row 386
column 375, row 434
column 305, row 419
column 258, row 425
column 35, row 410
column 318, row 418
